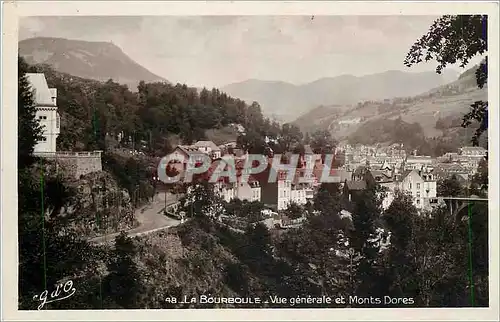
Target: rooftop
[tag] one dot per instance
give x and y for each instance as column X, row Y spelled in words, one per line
column 209, row 144
column 42, row 93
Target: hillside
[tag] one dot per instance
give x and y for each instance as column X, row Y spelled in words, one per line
column 288, row 101
column 95, row 60
column 319, row 117
column 446, row 102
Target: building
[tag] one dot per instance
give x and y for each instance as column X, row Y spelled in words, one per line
column 185, row 152
column 240, row 189
column 419, row 162
column 473, row 151
column 446, row 170
column 224, row 190
column 421, row 185
column 249, row 191
column 449, row 157
column 46, row 113
column 385, row 178
column 282, row 192
column 209, row 148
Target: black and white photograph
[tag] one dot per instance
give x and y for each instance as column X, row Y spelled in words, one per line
column 260, row 161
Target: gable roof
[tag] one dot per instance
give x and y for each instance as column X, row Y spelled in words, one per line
column 42, row 93
column 209, row 144
column 385, row 177
column 190, row 150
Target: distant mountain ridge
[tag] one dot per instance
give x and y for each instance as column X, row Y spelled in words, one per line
column 446, row 103
column 290, row 101
column 94, row 60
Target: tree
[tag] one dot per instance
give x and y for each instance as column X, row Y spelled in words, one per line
column 449, row 187
column 294, row 211
column 123, row 284
column 29, row 129
column 480, row 178
column 366, row 215
column 322, row 142
column 327, row 199
column 400, row 268
column 457, row 39
column 251, row 210
column 48, row 249
column 201, row 201
column 252, row 142
column 290, row 136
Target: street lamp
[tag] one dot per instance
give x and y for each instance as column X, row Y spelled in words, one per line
column 155, row 180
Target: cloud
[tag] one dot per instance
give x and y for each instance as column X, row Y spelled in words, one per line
column 217, row 50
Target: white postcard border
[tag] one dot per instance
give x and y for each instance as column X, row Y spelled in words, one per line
column 13, row 10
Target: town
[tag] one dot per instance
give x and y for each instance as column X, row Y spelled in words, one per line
column 389, row 166
column 148, row 173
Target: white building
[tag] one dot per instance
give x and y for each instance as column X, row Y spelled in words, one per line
column 298, row 195
column 225, row 190
column 284, row 193
column 249, row 191
column 415, row 162
column 209, row 148
column 473, row 151
column 46, row 112
column 422, row 187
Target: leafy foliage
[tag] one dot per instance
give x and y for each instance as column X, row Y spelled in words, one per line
column 123, row 284
column 93, row 112
column 29, row 129
column 245, row 209
column 457, row 39
column 328, row 255
column 450, row 187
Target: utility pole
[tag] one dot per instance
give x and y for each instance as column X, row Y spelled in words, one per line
column 133, row 140
column 150, row 140
column 165, row 208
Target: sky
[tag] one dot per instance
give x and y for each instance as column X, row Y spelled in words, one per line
column 219, row 50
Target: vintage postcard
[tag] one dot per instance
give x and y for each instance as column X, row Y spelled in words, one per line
column 249, row 161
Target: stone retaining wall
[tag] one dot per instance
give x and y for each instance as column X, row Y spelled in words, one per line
column 77, row 164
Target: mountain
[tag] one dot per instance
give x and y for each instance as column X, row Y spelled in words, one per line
column 94, row 60
column 438, row 112
column 288, row 101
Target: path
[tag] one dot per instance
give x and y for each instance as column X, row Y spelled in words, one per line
column 150, row 217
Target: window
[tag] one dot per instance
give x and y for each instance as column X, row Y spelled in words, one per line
column 418, row 185
column 409, row 185
column 42, row 117
column 418, row 194
column 418, row 201
column 42, row 139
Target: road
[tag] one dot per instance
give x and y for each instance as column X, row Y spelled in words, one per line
column 150, row 218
